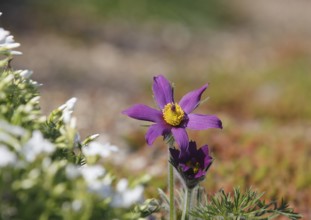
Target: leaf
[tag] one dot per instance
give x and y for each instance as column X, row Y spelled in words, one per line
column 245, row 205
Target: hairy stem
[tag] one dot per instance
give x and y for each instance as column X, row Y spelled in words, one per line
column 187, row 204
column 171, row 183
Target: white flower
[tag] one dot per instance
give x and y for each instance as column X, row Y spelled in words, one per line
column 125, row 197
column 69, row 105
column 7, row 42
column 25, row 73
column 8, row 131
column 102, row 150
column 12, row 129
column 7, row 157
column 37, row 145
column 72, row 171
column 92, row 173
column 67, row 109
column 96, row 180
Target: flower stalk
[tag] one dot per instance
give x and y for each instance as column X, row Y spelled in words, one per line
column 187, row 204
column 171, row 183
column 171, row 179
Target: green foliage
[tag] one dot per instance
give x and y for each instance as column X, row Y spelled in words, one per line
column 192, row 14
column 241, row 206
column 19, row 100
column 222, row 206
column 149, row 207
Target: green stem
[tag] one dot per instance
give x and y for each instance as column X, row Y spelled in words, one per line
column 171, row 191
column 187, row 204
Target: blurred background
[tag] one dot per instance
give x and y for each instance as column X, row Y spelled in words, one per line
column 256, row 55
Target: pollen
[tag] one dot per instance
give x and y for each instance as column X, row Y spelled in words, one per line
column 173, row 114
column 195, row 166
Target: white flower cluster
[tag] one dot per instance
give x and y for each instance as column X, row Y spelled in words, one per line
column 30, row 151
column 7, row 42
column 96, row 177
column 37, row 145
column 98, row 149
column 7, row 157
column 122, row 197
column 126, row 196
column 99, row 181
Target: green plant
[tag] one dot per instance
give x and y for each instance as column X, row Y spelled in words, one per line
column 240, row 205
column 47, row 172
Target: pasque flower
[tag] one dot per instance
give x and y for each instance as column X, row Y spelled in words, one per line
column 172, row 118
column 191, row 163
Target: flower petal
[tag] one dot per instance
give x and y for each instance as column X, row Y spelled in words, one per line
column 205, row 149
column 155, row 131
column 174, row 154
column 201, row 122
column 192, row 148
column 184, row 167
column 206, row 160
column 200, row 173
column 143, row 112
column 181, row 137
column 191, row 100
column 162, row 90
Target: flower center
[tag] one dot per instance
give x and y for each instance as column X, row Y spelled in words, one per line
column 195, row 166
column 173, row 114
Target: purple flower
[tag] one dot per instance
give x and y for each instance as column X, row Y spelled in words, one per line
column 192, row 163
column 172, row 118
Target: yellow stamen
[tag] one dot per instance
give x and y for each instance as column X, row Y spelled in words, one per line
column 195, row 166
column 173, row 114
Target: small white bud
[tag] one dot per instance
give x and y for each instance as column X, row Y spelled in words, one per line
column 26, row 73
